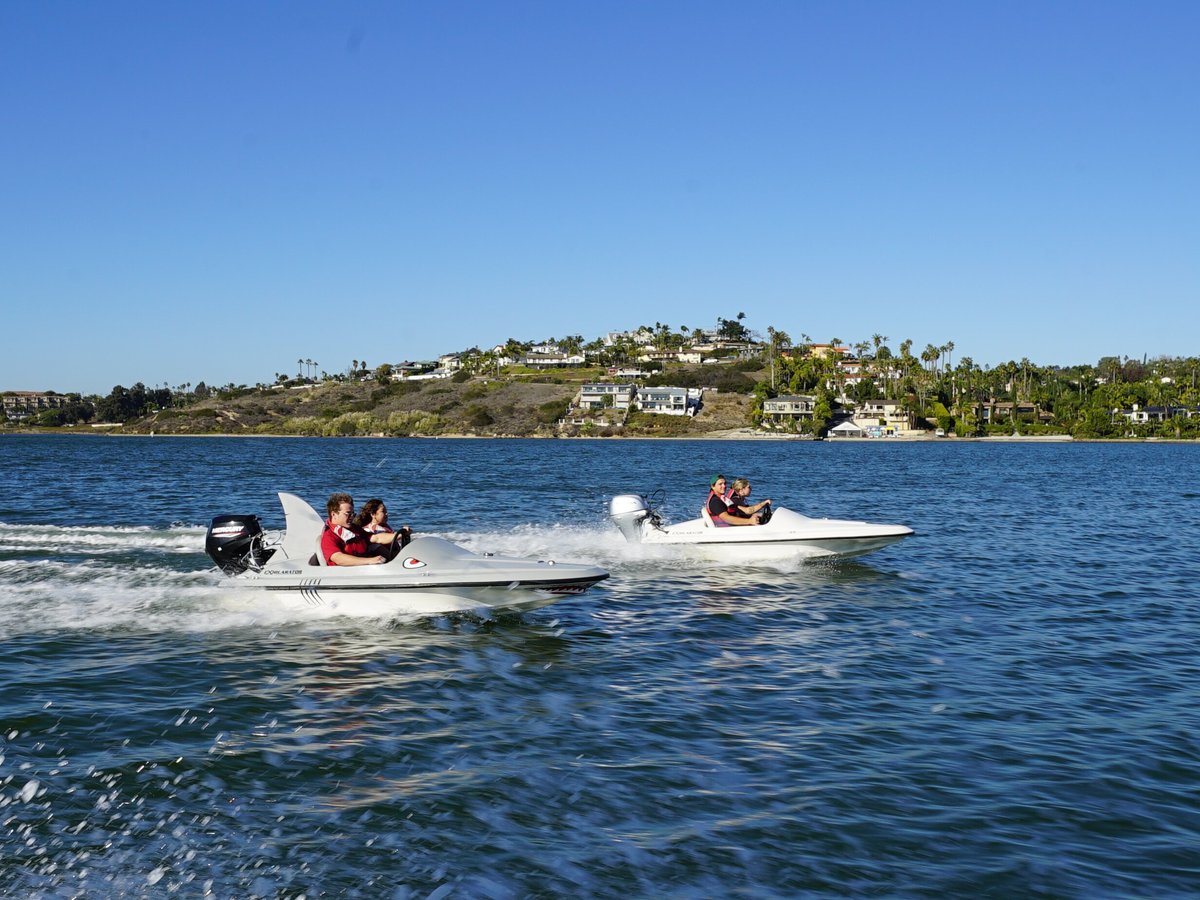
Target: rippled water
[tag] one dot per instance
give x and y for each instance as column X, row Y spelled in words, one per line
column 1004, row 705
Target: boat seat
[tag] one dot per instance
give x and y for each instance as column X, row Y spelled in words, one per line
column 318, row 558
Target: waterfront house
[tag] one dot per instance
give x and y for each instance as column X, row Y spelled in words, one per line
column 889, row 417
column 674, row 401
column 1140, row 415
column 789, row 408
column 594, row 395
column 994, row 412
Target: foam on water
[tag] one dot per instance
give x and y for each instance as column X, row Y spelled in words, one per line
column 52, row 539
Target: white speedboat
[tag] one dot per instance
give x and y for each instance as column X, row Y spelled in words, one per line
column 786, row 535
column 428, row 576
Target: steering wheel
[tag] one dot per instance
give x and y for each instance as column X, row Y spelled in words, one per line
column 392, row 550
column 764, row 515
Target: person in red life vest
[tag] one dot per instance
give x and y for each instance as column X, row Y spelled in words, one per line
column 344, row 545
column 373, row 519
column 718, row 506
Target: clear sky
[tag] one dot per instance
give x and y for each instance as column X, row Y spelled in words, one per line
column 213, row 190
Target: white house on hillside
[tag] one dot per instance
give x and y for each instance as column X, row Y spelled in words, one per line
column 551, row 360
column 789, row 407
column 674, row 401
column 592, row 396
column 683, row 356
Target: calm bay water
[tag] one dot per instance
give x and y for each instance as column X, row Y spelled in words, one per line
column 1004, row 705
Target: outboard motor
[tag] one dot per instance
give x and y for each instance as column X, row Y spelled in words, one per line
column 235, row 544
column 628, row 512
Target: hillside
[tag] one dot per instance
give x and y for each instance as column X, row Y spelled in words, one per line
column 486, row 407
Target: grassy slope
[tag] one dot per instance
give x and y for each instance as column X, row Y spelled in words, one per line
column 479, row 406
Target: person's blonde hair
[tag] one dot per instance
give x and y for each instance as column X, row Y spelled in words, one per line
column 738, row 484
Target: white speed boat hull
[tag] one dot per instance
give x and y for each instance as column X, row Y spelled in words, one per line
column 429, row 576
column 787, row 536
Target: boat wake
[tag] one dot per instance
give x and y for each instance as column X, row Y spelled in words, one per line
column 54, row 540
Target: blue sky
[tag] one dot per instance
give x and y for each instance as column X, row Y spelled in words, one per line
column 210, row 191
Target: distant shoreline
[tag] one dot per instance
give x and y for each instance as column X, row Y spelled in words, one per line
column 731, row 435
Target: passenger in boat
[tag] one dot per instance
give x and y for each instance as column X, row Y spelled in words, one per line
column 373, row 519
column 718, row 506
column 740, row 505
column 343, row 544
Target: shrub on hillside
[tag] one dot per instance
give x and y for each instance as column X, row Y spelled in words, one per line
column 478, row 416
column 414, row 422
column 551, row 411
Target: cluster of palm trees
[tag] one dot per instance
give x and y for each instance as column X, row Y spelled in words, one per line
column 308, row 368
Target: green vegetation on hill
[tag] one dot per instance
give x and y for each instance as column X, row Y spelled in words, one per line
column 475, row 406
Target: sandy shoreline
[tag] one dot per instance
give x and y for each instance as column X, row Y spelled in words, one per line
column 733, row 434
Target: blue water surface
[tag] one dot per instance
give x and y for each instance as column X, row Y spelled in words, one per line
column 1004, row 705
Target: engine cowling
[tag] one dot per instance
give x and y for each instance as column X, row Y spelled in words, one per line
column 628, row 512
column 235, row 544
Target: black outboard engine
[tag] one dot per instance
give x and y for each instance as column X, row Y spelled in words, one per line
column 235, row 544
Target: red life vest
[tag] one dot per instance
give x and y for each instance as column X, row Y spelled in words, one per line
column 345, row 537
column 724, row 498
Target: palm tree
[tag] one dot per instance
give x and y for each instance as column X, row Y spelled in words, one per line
column 771, row 352
column 878, row 340
column 300, row 364
column 883, row 368
column 930, row 356
column 662, row 335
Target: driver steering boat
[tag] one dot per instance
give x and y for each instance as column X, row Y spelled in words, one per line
column 786, row 535
column 429, row 576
